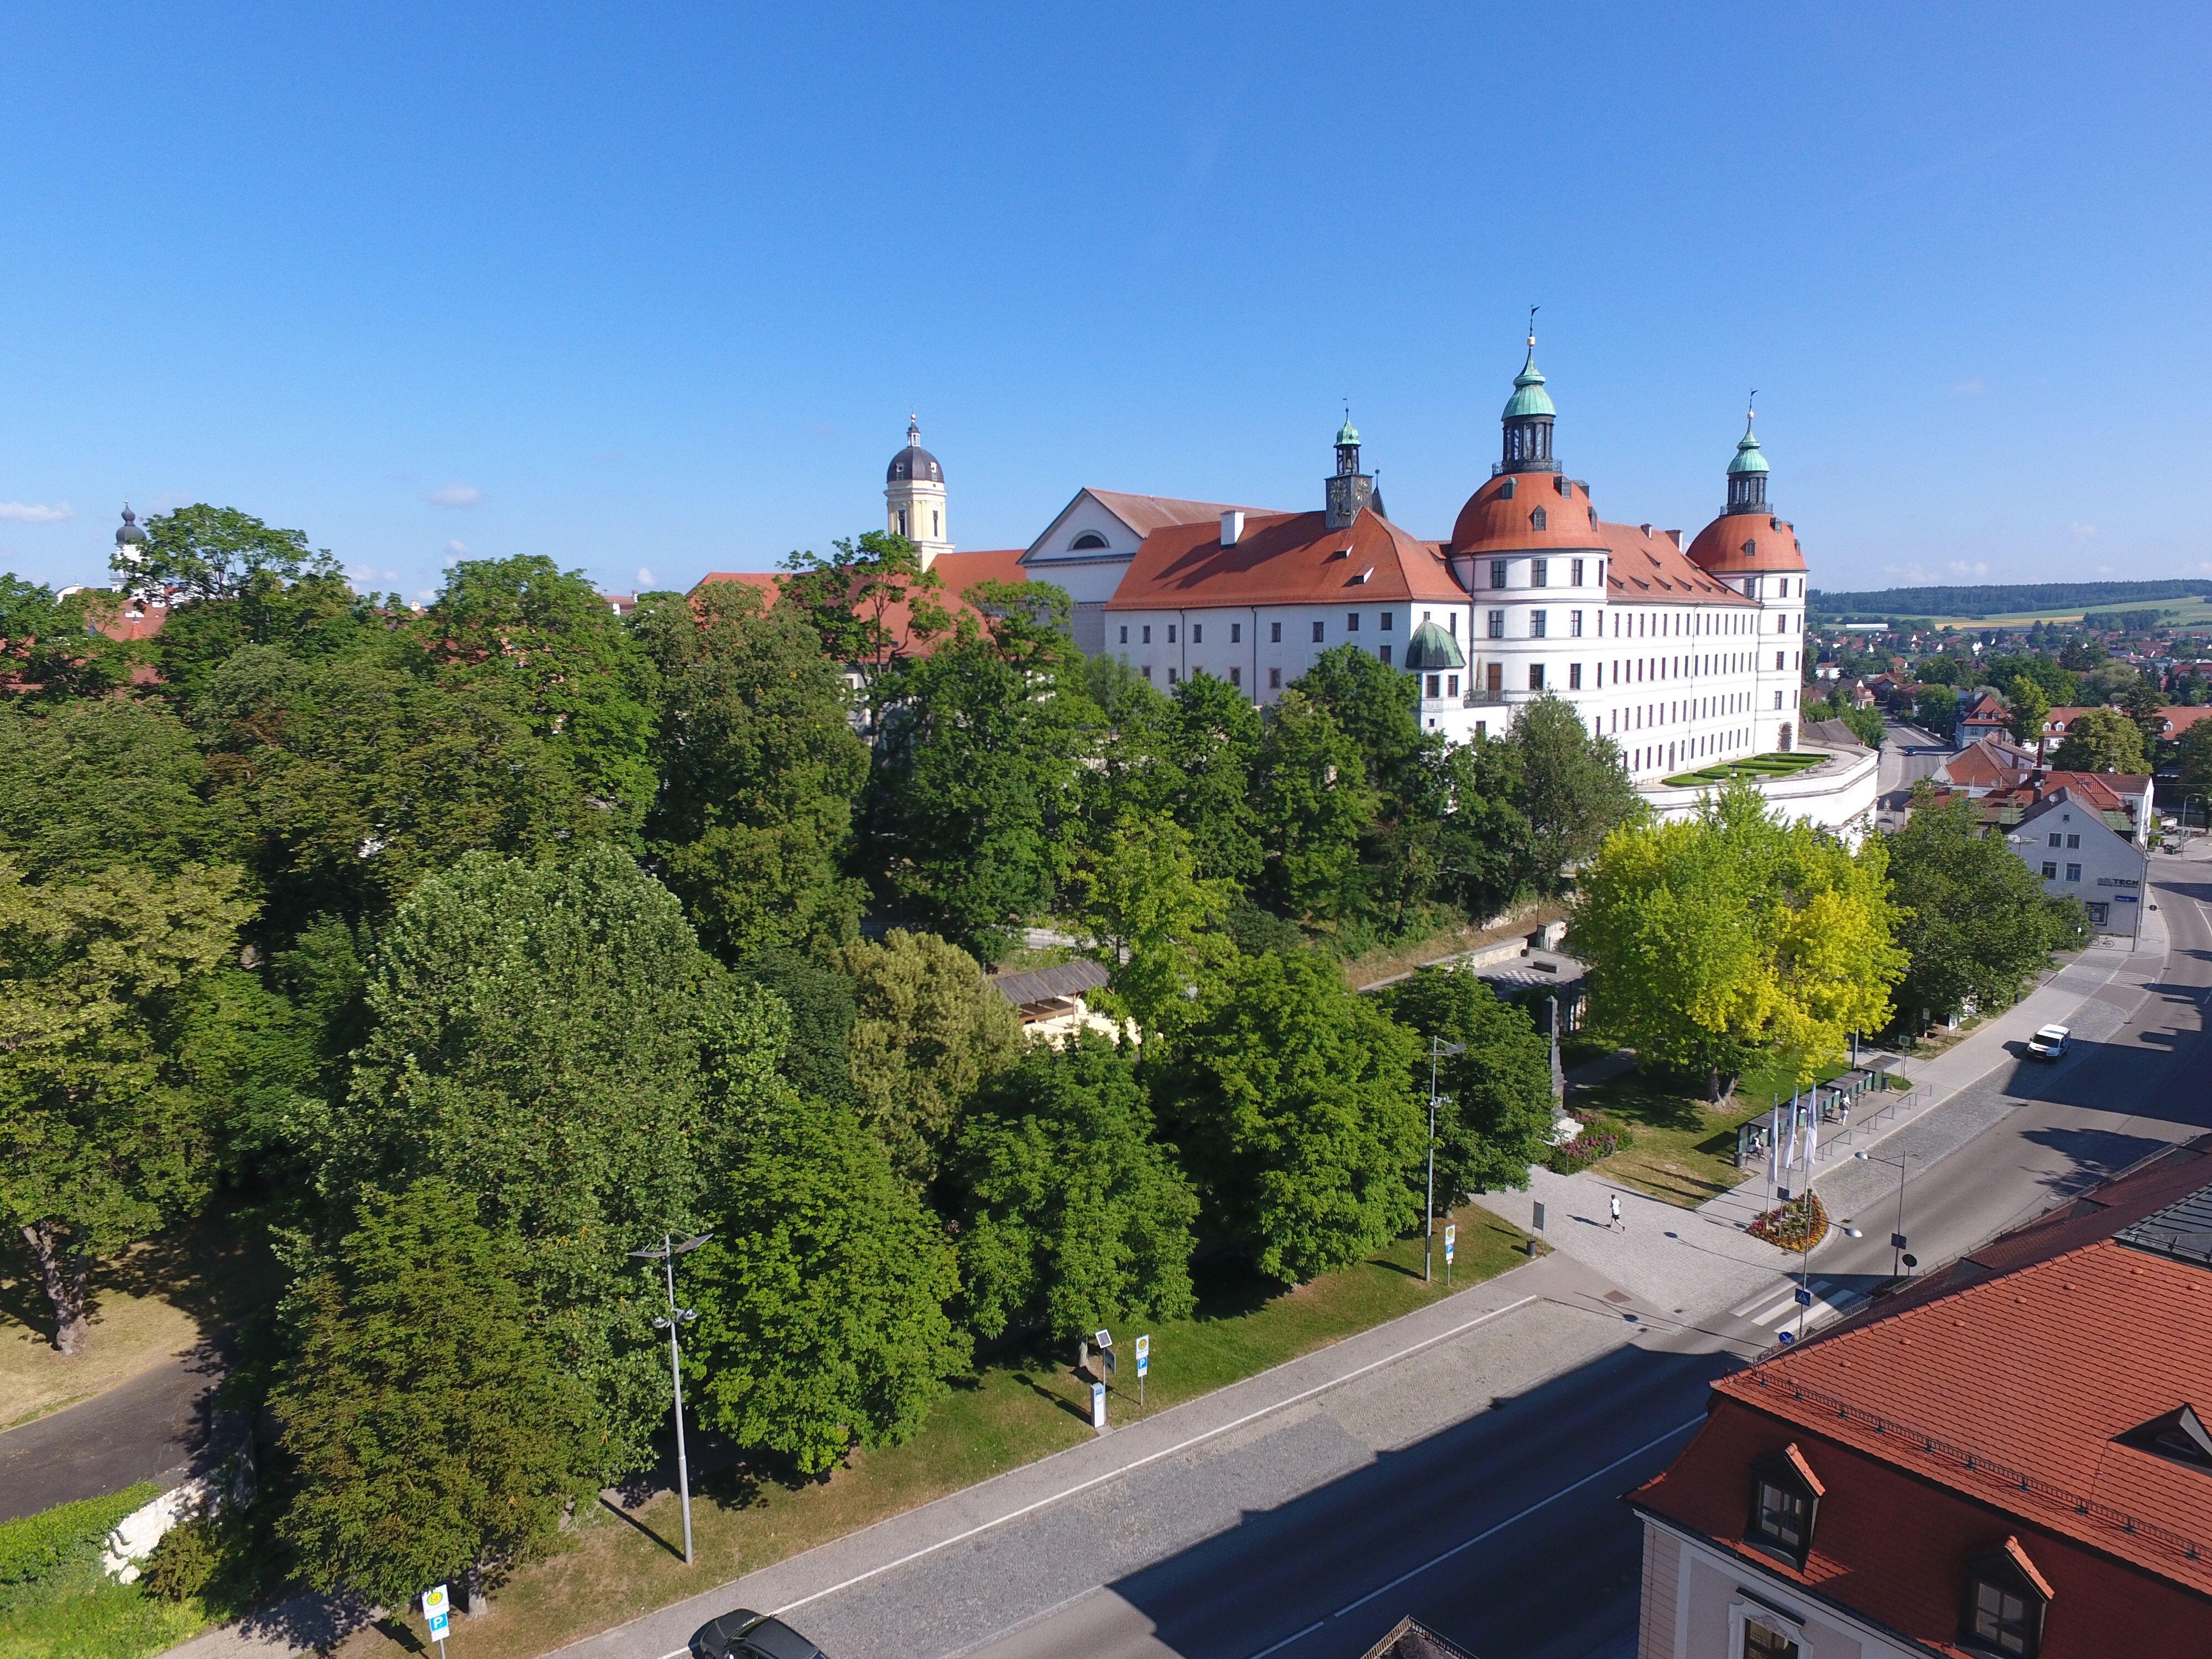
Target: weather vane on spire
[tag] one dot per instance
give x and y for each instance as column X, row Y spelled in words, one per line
column 1532, row 323
column 1750, row 407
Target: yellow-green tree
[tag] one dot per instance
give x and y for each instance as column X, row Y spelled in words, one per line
column 1734, row 934
column 1152, row 919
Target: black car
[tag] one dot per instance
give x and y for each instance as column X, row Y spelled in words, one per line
column 745, row 1634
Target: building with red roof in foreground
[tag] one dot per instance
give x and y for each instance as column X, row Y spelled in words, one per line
column 2010, row 1457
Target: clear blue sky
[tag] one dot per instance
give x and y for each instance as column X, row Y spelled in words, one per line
column 652, row 288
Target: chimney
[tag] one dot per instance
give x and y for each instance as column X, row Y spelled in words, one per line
column 1233, row 526
column 1675, row 537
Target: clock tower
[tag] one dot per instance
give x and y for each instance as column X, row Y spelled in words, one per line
column 1349, row 489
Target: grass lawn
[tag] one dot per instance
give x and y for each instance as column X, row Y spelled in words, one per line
column 1014, row 1413
column 1685, row 1150
column 1758, row 766
column 157, row 1299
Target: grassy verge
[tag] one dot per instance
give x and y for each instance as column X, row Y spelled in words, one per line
column 617, row 1567
column 1685, row 1149
column 55, row 1601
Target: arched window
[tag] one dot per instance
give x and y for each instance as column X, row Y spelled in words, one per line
column 1536, row 518
column 1087, row 540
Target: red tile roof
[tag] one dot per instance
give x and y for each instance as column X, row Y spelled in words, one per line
column 1284, row 558
column 1146, row 513
column 1501, row 517
column 1645, row 567
column 1987, row 1401
column 1773, row 543
column 1990, row 764
column 958, row 572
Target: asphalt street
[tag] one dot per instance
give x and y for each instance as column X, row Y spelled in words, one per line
column 1505, row 1530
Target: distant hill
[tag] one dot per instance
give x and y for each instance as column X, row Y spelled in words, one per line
column 2000, row 600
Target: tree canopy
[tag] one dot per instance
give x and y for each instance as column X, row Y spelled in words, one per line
column 2101, row 740
column 1973, row 920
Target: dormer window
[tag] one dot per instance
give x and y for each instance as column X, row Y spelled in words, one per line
column 1536, row 518
column 1785, row 1498
column 2179, row 1435
column 1505, row 490
column 1088, row 541
column 2002, row 1608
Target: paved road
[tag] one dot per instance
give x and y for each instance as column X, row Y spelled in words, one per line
column 1528, row 1494
column 161, row 1426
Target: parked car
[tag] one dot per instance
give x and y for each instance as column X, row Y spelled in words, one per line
column 745, row 1634
column 2050, row 1042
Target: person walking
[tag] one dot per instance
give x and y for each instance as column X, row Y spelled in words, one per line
column 1616, row 1213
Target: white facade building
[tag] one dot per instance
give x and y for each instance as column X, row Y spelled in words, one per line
column 2076, row 855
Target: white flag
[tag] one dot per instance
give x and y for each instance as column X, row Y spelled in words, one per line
column 1811, row 1145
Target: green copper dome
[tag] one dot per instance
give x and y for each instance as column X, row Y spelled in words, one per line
column 1529, row 396
column 1431, row 648
column 1348, row 433
column 1748, row 458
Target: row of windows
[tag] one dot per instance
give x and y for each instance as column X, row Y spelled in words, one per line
column 1386, row 622
column 2051, row 870
column 1667, row 756
column 1539, row 570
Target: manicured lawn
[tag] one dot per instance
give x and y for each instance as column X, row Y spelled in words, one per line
column 1012, row 1412
column 1685, row 1150
column 1758, row 766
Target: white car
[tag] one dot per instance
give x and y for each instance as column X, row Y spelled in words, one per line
column 2050, row 1042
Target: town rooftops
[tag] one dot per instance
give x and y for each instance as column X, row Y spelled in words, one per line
column 2175, row 717
column 958, row 571
column 2031, row 1392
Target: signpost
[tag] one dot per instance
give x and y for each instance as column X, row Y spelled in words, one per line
column 1144, row 1364
column 436, row 1609
column 1451, row 1237
column 1098, row 1405
column 1538, row 1229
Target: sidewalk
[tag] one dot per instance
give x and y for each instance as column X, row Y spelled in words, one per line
column 1691, row 1265
column 977, row 1511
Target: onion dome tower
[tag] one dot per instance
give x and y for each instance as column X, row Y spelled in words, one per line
column 1747, row 474
column 914, row 497
column 129, row 538
column 1748, row 541
column 1528, row 418
column 1432, row 649
column 1349, row 489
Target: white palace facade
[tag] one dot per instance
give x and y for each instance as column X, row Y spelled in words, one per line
column 1684, row 655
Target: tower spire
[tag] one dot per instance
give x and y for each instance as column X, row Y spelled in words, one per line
column 1528, row 416
column 1747, row 473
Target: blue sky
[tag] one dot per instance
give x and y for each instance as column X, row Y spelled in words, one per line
column 652, row 289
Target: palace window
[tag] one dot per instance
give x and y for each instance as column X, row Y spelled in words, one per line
column 1146, row 670
column 1386, row 618
column 1085, row 543
column 1352, row 622
column 1505, row 490
column 1498, row 573
column 1760, row 1643
column 1275, row 680
column 1171, row 676
column 1236, row 676
column 1785, row 1499
column 1575, row 624
column 1539, row 573
column 1274, row 632
column 1575, row 570
column 1574, row 677
column 1197, row 633
column 1536, row 518
column 1498, row 624
column 1125, row 633
column 1435, row 686
column 1539, row 624
column 1535, row 677
column 1451, row 689
column 1147, row 632
column 1382, row 651
column 1236, row 633
column 1171, row 628
column 1317, row 631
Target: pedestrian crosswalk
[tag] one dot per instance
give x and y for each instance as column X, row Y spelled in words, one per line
column 1770, row 1308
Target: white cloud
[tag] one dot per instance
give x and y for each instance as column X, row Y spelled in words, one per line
column 392, row 575
column 458, row 549
column 424, row 595
column 454, row 494
column 1961, row 567
column 644, row 577
column 1973, row 388
column 35, row 513
column 2083, row 532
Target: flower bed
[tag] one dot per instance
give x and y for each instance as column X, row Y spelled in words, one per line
column 1598, row 1141
column 1798, row 1225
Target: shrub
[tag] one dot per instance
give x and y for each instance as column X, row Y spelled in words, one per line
column 1798, row 1225
column 39, row 1549
column 224, row 1560
column 1598, row 1141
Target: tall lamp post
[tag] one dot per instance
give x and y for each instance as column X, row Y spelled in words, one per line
column 1896, row 1238
column 671, row 1247
column 1438, row 1049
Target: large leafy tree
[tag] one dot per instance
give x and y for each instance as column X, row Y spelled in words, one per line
column 433, row 1434
column 538, row 643
column 926, row 1031
column 552, row 1039
column 87, row 785
column 1936, row 707
column 102, row 1138
column 1154, row 921
column 2029, row 709
column 1074, row 1216
column 759, row 770
column 50, row 647
column 1571, row 788
column 822, row 1296
column 1497, row 1106
column 2101, row 740
column 976, row 778
column 1297, row 1109
column 2193, row 751
column 203, row 552
column 1315, row 805
column 1972, row 919
column 1714, row 939
column 871, row 605
column 1213, row 738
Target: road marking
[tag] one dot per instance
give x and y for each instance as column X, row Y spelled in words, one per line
column 1512, row 1519
column 1116, row 1473
column 1287, row 1640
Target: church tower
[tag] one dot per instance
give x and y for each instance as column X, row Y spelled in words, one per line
column 1349, row 489
column 914, row 497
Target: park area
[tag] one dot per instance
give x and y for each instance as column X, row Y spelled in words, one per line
column 1755, row 767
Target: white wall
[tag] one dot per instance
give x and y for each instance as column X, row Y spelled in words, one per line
column 2111, row 870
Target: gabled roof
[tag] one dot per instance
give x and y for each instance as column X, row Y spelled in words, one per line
column 2089, row 792
column 1285, row 558
column 1143, row 514
column 958, row 572
column 1652, row 568
column 1988, row 764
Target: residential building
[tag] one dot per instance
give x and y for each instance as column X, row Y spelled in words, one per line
column 1982, row 715
column 2003, row 1459
column 2175, row 718
column 1990, row 761
column 2077, row 854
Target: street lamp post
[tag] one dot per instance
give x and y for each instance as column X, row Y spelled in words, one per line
column 671, row 1247
column 1437, row 1048
column 1896, row 1238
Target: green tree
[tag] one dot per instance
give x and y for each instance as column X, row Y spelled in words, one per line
column 1483, row 845
column 1213, row 739
column 2193, row 750
column 2145, row 704
column 1937, row 708
column 1296, row 1110
column 1072, row 1215
column 1713, row 940
column 871, row 605
column 2030, row 709
column 1972, row 919
column 976, row 781
column 203, row 552
column 1497, row 1108
column 1315, row 805
column 50, row 647
column 1939, row 669
column 927, row 1030
column 102, row 1139
column 760, row 770
column 1153, row 920
column 1573, row 790
column 433, row 1437
column 2101, row 740
column 85, row 786
column 821, row 1298
column 1377, row 706
column 552, row 1039
column 819, row 1060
